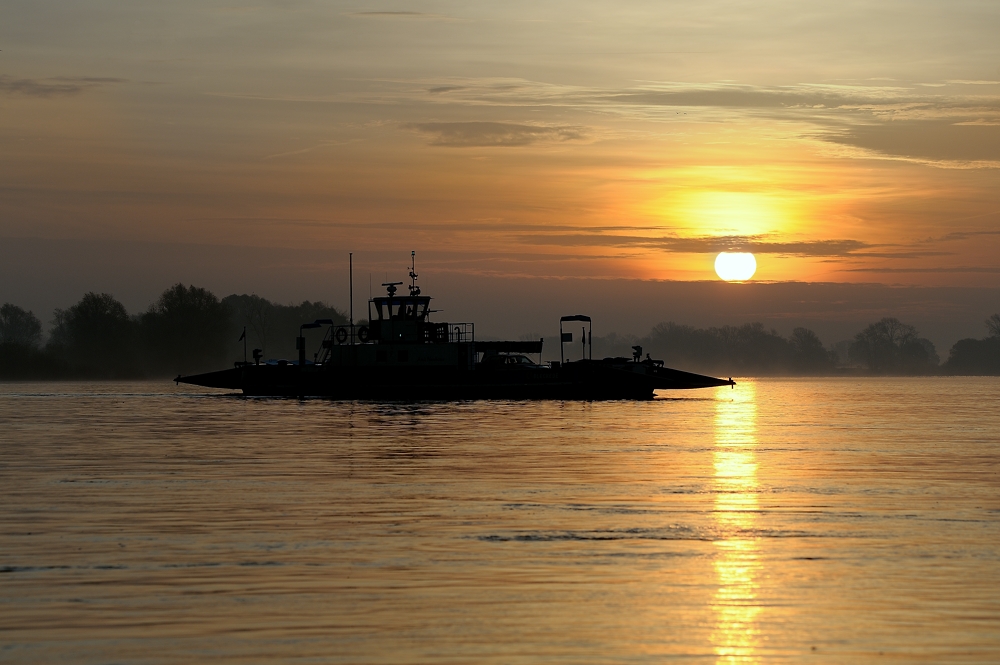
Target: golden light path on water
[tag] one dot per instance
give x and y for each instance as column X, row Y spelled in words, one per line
column 738, row 561
column 786, row 521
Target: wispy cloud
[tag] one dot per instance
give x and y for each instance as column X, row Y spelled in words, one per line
column 405, row 15
column 53, row 87
column 511, row 91
column 957, row 236
column 954, row 269
column 493, row 134
column 930, row 140
column 731, row 95
column 437, row 90
column 757, row 244
column 705, row 244
column 945, row 127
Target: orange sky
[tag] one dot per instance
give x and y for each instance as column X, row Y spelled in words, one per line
column 840, row 142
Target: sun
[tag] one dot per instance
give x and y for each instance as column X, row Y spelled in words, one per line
column 735, row 266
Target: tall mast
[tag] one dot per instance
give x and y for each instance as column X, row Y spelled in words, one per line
column 414, row 290
column 350, row 260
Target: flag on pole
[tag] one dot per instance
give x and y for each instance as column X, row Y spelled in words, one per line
column 243, row 336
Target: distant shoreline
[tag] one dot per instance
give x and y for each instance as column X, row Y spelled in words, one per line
column 847, row 374
column 189, row 330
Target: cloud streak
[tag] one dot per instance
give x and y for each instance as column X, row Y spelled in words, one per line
column 493, row 134
column 404, row 15
column 946, row 128
column 53, row 87
column 931, row 140
column 761, row 244
column 758, row 97
column 954, row 269
column 706, row 244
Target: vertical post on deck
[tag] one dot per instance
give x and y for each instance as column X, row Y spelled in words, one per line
column 562, row 355
column 350, row 260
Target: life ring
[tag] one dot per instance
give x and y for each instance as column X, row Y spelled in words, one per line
column 363, row 333
column 341, row 334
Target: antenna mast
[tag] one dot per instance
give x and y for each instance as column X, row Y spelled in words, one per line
column 414, row 289
column 350, row 259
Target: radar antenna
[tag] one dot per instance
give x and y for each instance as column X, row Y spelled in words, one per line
column 390, row 287
column 414, row 289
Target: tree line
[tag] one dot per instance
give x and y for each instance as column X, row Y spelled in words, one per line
column 884, row 347
column 188, row 329
column 978, row 356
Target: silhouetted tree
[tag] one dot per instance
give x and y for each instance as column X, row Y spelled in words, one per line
column 95, row 334
column 610, row 345
column 922, row 359
column 19, row 327
column 889, row 345
column 977, row 356
column 809, row 354
column 253, row 312
column 684, row 346
column 993, row 325
column 20, row 336
column 187, row 330
column 272, row 327
column 750, row 349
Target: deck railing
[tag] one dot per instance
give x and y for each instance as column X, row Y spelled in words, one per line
column 461, row 332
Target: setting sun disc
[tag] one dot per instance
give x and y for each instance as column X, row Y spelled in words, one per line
column 735, row 266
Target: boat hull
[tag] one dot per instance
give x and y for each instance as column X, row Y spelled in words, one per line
column 581, row 380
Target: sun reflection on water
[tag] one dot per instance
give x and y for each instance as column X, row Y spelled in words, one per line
column 737, row 562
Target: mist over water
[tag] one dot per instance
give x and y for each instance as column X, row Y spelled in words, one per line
column 840, row 520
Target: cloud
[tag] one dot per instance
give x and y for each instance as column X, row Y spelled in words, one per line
column 707, row 244
column 906, row 254
column 760, row 245
column 745, row 96
column 955, row 269
column 949, row 129
column 493, row 134
column 956, row 131
column 510, row 91
column 437, row 90
column 420, row 16
column 53, row 87
column 965, row 235
column 931, row 140
column 944, row 129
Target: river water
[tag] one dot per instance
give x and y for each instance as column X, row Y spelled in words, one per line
column 832, row 520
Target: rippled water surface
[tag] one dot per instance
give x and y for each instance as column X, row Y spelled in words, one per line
column 784, row 521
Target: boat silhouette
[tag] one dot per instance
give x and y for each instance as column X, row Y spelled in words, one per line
column 402, row 355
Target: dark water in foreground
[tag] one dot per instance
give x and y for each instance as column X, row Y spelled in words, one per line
column 790, row 521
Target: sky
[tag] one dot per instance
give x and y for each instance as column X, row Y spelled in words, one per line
column 537, row 155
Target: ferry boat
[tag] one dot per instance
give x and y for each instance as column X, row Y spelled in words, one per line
column 400, row 354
